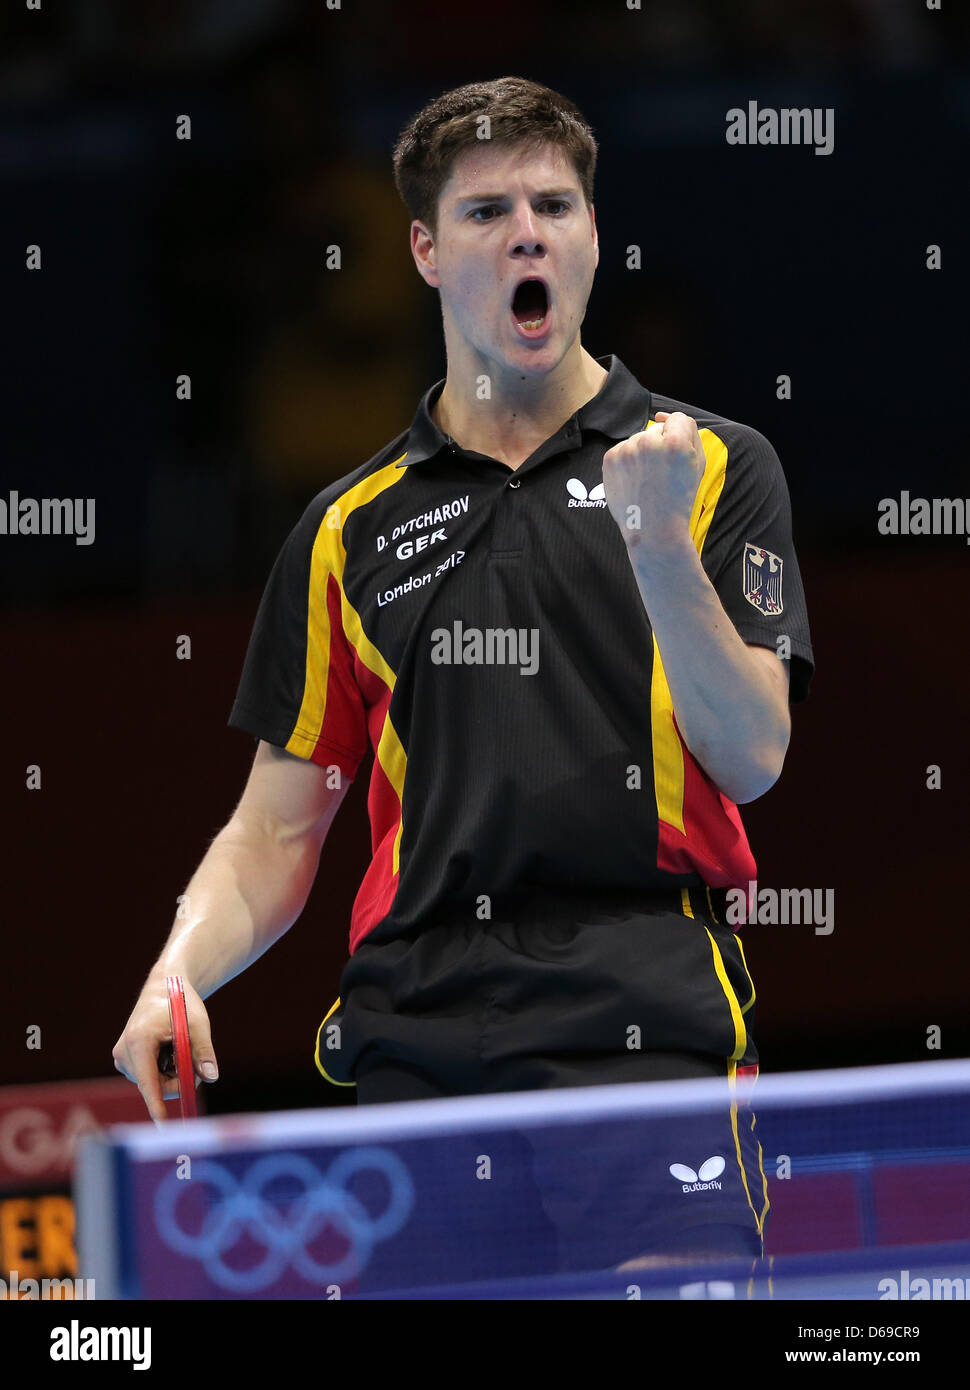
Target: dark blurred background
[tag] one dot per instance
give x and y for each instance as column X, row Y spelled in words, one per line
column 206, row 257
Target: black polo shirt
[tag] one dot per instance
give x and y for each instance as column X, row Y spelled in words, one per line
column 480, row 628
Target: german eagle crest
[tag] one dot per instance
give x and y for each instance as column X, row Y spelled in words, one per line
column 762, row 579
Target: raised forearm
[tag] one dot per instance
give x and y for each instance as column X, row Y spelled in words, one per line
column 727, row 707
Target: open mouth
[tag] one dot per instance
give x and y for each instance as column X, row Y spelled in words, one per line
column 530, row 305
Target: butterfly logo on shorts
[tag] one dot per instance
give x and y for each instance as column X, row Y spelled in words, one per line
column 710, row 1169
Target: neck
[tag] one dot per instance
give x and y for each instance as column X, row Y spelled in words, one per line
column 521, row 412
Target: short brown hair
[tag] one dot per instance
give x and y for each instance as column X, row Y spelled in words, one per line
column 520, row 113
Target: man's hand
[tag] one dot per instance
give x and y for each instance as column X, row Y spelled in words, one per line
column 250, row 888
column 149, row 1027
column 651, row 481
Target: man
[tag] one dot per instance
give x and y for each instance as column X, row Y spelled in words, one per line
column 555, row 607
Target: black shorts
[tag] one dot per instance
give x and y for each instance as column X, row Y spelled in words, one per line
column 554, row 991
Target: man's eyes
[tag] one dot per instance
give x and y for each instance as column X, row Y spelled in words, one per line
column 494, row 207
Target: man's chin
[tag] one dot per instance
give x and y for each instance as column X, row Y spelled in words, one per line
column 535, row 359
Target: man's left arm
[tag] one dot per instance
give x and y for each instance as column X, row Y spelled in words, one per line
column 730, row 698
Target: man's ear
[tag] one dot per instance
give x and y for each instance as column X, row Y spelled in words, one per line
column 423, row 251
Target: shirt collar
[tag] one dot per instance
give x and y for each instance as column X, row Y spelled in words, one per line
column 620, row 408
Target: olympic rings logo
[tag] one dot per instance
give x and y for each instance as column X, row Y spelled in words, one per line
column 285, row 1226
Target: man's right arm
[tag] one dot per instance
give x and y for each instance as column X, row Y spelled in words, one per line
column 248, row 890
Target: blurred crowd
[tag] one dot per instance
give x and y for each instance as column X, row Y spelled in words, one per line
column 208, row 256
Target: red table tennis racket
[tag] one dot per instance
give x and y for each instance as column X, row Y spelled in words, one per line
column 181, row 1047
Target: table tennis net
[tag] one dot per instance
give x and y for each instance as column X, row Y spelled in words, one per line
column 524, row 1190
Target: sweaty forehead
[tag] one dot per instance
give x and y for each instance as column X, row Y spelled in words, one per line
column 488, row 170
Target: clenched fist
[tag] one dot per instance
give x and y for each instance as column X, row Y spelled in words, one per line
column 651, row 480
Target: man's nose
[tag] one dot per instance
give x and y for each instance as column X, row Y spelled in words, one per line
column 526, row 232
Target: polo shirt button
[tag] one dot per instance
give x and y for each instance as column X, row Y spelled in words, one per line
column 515, row 482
